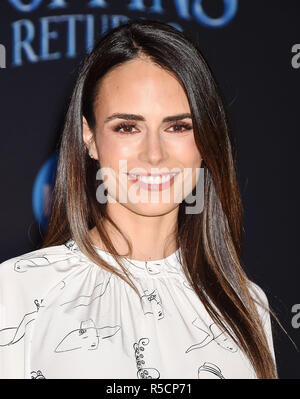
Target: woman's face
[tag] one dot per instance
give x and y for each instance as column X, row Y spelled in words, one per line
column 145, row 141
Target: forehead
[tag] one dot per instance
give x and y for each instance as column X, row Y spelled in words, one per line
column 140, row 86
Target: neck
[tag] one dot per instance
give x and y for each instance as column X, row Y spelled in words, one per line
column 148, row 234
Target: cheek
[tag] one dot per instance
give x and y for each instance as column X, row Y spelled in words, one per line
column 189, row 153
column 112, row 151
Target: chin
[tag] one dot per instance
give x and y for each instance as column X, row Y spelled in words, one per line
column 149, row 209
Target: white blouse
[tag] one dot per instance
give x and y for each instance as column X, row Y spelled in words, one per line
column 63, row 316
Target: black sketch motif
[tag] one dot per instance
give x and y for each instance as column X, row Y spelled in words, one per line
column 86, row 337
column 86, row 300
column 152, row 304
column 22, row 264
column 152, row 268
column 209, row 371
column 143, row 372
column 12, row 335
column 71, row 245
column 214, row 334
column 37, row 375
column 149, row 266
column 40, row 259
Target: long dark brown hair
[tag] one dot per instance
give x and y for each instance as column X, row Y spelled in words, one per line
column 210, row 241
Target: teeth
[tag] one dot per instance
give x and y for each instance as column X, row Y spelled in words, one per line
column 152, row 179
column 166, row 178
column 148, row 179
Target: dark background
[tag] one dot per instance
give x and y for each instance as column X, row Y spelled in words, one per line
column 251, row 57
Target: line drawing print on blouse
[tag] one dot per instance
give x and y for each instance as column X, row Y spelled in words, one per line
column 213, row 334
column 152, row 304
column 143, row 372
column 86, row 300
column 209, row 370
column 87, row 337
column 11, row 335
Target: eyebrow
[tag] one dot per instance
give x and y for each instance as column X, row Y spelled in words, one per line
column 141, row 118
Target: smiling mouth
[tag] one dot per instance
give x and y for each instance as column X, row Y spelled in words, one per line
column 153, row 182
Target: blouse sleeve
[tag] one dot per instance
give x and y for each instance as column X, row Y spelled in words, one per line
column 13, row 321
column 24, row 280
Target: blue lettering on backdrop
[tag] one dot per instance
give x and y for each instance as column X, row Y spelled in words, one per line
column 24, row 30
column 104, row 23
column 117, row 20
column 57, row 4
column 20, row 6
column 176, row 26
column 34, row 4
column 90, row 29
column 182, row 8
column 97, row 3
column 25, row 44
column 46, row 36
column 138, row 5
column 230, row 9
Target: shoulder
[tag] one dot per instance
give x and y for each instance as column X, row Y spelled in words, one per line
column 258, row 293
column 27, row 278
column 260, row 299
column 39, row 259
column 262, row 304
column 37, row 270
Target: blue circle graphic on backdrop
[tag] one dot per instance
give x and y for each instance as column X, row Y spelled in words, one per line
column 42, row 190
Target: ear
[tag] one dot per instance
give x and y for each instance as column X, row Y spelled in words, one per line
column 88, row 138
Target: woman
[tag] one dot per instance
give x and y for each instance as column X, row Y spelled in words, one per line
column 139, row 288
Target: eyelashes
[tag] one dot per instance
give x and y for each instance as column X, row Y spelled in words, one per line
column 127, row 126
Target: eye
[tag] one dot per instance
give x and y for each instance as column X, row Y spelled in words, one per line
column 125, row 126
column 179, row 126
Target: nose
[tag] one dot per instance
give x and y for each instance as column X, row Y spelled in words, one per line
column 153, row 149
